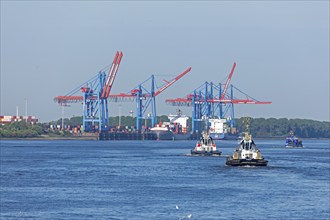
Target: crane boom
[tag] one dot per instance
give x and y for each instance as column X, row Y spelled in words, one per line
column 113, row 76
column 239, row 101
column 171, row 82
column 228, row 81
column 66, row 99
column 110, row 72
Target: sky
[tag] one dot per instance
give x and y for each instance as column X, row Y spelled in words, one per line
column 281, row 49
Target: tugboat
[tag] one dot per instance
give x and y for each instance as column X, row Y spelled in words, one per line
column 247, row 153
column 205, row 146
column 292, row 141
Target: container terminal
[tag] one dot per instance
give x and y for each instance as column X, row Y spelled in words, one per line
column 210, row 102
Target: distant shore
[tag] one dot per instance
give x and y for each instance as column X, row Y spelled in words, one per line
column 86, row 137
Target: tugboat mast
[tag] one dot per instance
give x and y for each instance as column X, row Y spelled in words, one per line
column 205, row 118
column 246, row 121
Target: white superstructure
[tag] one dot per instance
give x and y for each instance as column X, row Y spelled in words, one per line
column 177, row 121
column 218, row 126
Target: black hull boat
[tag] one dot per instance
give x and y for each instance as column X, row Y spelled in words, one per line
column 177, row 137
column 246, row 154
column 162, row 135
column 246, row 162
column 205, row 153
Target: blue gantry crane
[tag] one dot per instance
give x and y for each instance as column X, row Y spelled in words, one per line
column 145, row 96
column 95, row 96
column 214, row 100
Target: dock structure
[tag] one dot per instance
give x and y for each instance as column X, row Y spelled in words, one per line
column 211, row 101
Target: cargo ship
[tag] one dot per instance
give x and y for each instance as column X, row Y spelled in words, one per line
column 175, row 129
column 220, row 130
column 162, row 131
column 179, row 126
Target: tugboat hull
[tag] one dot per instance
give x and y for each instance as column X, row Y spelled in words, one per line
column 246, row 162
column 205, row 153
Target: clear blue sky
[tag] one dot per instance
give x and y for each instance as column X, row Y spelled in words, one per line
column 281, row 49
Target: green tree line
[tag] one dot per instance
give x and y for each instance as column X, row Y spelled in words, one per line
column 21, row 129
column 272, row 127
column 259, row 127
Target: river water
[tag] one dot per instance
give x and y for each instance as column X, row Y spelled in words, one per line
column 155, row 180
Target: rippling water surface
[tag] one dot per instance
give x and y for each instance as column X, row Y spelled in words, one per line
column 154, row 180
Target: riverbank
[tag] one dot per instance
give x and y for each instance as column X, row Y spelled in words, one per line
column 93, row 137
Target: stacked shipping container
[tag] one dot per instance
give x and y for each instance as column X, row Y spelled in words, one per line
column 6, row 119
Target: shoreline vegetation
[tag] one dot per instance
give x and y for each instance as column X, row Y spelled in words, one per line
column 93, row 138
column 50, row 138
column 260, row 128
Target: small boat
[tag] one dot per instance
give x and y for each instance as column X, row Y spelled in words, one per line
column 205, row 146
column 292, row 141
column 246, row 154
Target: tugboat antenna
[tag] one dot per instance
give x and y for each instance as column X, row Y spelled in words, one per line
column 247, row 123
